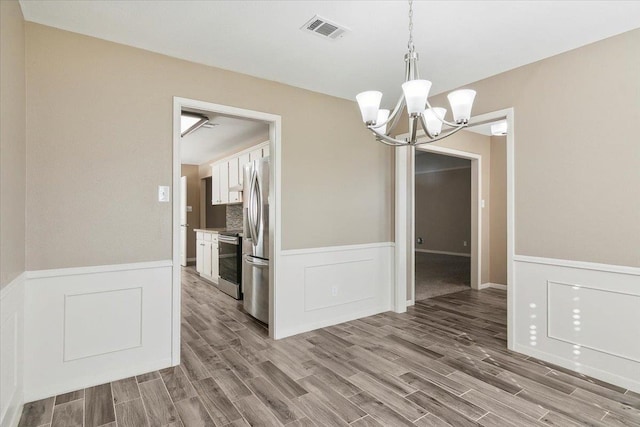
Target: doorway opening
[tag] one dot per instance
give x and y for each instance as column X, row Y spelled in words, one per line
column 210, row 158
column 443, row 221
column 481, row 209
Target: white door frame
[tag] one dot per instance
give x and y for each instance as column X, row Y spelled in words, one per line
column 404, row 213
column 275, row 229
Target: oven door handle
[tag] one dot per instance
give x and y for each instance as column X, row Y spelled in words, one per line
column 230, row 240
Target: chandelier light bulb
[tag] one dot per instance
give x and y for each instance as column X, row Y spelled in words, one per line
column 416, row 93
column 369, row 103
column 461, row 102
column 433, row 117
column 383, row 116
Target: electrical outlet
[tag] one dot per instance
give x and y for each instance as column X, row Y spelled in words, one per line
column 420, row 240
column 464, row 243
column 334, row 291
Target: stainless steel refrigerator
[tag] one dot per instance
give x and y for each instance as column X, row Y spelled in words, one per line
column 255, row 242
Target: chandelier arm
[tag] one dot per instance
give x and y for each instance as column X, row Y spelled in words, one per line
column 457, row 129
column 396, row 116
column 393, row 116
column 387, row 139
column 453, row 125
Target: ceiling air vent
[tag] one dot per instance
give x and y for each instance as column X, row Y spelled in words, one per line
column 324, row 28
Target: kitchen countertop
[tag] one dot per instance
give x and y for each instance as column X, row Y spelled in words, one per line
column 210, row 230
column 216, row 230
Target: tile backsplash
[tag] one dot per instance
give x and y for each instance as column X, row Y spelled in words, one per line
column 234, row 217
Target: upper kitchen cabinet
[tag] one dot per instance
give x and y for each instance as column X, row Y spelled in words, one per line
column 235, row 195
column 220, row 181
column 227, row 174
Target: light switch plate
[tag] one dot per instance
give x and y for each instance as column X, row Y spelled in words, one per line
column 163, row 193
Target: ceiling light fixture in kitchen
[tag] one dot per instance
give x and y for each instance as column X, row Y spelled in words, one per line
column 415, row 93
column 191, row 122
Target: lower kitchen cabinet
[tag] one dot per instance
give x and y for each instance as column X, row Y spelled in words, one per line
column 207, row 255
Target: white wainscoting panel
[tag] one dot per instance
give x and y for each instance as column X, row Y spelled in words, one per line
column 11, row 352
column 580, row 317
column 326, row 286
column 85, row 327
column 115, row 322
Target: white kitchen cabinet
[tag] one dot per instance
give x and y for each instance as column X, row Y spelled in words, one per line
column 208, row 258
column 255, row 155
column 207, row 255
column 215, row 267
column 242, row 161
column 220, row 183
column 227, row 175
column 199, row 255
column 234, row 180
column 215, row 181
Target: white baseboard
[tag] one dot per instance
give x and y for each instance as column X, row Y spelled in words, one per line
column 581, row 316
column 92, row 325
column 321, row 287
column 429, row 251
column 492, row 285
column 11, row 352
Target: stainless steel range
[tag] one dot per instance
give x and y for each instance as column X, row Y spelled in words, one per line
column 230, row 263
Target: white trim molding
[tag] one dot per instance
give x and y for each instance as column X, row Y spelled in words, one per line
column 493, row 285
column 611, row 268
column 91, row 325
column 12, row 351
column 580, row 315
column 430, row 251
column 325, row 286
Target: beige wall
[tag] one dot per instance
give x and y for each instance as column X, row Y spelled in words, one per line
column 443, row 210
column 577, row 156
column 193, row 200
column 12, row 142
column 498, row 211
column 99, row 110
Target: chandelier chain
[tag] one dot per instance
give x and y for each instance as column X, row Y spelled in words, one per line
column 410, row 44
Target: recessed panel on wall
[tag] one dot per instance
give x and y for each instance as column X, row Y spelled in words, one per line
column 598, row 319
column 102, row 322
column 333, row 284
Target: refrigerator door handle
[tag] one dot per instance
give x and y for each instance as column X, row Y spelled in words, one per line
column 256, row 261
column 252, row 235
column 254, row 208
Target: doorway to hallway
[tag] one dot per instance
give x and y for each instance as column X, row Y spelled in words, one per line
column 443, row 223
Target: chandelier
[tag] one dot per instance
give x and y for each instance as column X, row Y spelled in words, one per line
column 415, row 93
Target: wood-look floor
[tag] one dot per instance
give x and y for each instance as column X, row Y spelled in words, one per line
column 443, row 363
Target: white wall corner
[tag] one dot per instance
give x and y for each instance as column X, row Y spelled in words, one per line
column 12, row 351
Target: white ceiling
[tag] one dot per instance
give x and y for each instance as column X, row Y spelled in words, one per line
column 459, row 42
column 231, row 134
